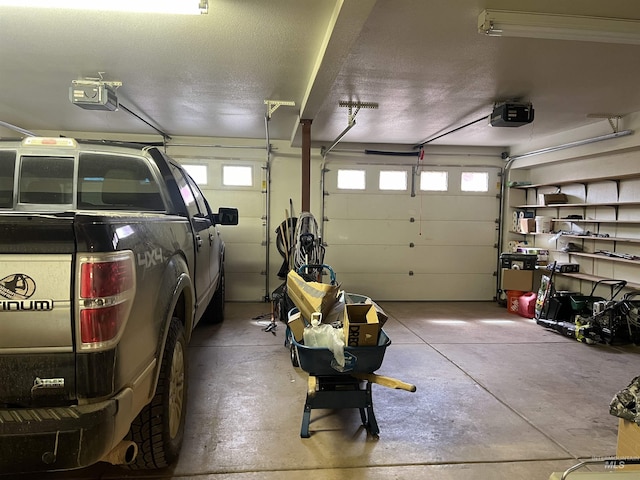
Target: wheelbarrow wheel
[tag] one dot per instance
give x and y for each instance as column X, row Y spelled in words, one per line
column 293, row 351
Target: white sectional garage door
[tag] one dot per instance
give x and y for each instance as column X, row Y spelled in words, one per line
column 245, row 252
column 436, row 245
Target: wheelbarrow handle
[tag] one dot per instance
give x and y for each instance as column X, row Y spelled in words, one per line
column 319, row 266
column 388, row 382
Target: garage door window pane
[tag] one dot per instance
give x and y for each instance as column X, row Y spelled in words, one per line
column 393, row 180
column 433, row 181
column 351, row 179
column 474, row 182
column 197, row 172
column 233, row 176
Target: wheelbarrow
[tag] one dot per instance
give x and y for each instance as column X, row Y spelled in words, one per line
column 332, row 386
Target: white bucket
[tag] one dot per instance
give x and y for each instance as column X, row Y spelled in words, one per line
column 543, row 224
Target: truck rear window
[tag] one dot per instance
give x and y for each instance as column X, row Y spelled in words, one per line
column 116, row 182
column 7, row 172
column 46, row 180
column 106, row 181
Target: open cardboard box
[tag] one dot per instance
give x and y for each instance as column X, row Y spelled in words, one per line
column 351, row 298
column 361, row 325
column 311, row 297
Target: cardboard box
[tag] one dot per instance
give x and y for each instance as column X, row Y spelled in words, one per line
column 551, row 198
column 355, row 298
column 382, row 317
column 628, row 443
column 311, row 297
column 297, row 325
column 521, row 280
column 527, row 225
column 361, row 326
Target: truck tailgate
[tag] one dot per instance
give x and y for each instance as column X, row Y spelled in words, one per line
column 35, row 303
column 36, row 314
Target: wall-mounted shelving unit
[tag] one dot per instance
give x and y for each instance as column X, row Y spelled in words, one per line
column 620, row 232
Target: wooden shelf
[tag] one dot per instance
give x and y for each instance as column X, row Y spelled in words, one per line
column 587, row 220
column 600, row 256
column 604, row 239
column 580, row 205
column 595, row 278
column 579, row 181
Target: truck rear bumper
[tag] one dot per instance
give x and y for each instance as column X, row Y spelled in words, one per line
column 47, row 439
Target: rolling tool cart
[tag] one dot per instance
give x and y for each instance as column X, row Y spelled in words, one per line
column 336, row 387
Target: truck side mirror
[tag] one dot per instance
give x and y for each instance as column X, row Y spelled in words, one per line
column 225, row 216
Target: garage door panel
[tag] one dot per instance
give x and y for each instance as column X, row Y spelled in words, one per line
column 458, row 207
column 248, row 231
column 245, row 287
column 370, row 206
column 403, row 232
column 456, row 233
column 392, row 259
column 366, row 232
column 245, row 258
column 421, row 287
column 372, row 259
column 443, row 259
column 249, row 203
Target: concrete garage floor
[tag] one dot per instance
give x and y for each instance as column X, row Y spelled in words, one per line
column 498, row 398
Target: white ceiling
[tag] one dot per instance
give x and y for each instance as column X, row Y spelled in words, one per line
column 422, row 61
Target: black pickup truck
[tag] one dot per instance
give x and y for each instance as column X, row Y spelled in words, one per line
column 109, row 257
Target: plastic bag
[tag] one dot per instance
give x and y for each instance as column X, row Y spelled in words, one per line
column 325, row 336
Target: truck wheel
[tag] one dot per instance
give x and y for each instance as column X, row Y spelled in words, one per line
column 159, row 428
column 215, row 309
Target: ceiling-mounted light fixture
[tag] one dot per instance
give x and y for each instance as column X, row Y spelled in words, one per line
column 500, row 23
column 186, row 7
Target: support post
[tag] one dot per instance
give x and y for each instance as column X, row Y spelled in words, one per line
column 306, row 165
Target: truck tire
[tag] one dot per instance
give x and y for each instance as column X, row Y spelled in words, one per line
column 215, row 310
column 159, row 428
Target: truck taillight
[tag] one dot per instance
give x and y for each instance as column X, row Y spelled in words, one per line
column 98, row 325
column 106, row 288
column 105, row 279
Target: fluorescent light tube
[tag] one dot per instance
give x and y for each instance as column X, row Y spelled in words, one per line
column 559, row 27
column 186, row 7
